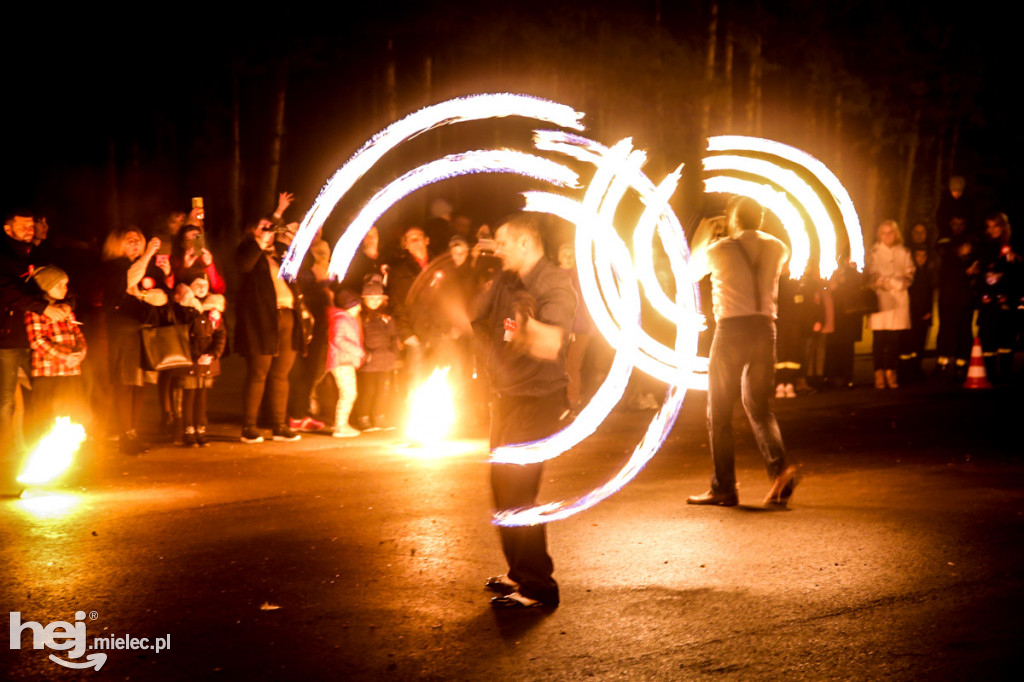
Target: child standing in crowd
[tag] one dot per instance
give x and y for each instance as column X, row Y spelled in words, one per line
column 58, row 349
column 202, row 312
column 380, row 340
column 344, row 354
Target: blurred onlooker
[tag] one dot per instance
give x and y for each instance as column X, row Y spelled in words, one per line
column 958, row 270
column 190, row 258
column 890, row 271
column 269, row 329
column 413, row 318
column 438, row 227
column 131, row 292
column 18, row 297
column 381, row 343
column 851, row 300
column 344, row 355
column 922, row 303
column 203, row 313
column 58, row 348
column 999, row 297
column 956, row 202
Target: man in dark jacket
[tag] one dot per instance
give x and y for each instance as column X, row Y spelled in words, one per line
column 17, row 296
column 526, row 317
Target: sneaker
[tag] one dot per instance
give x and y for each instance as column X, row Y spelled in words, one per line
column 305, row 424
column 346, row 431
column 188, row 439
column 364, row 424
column 283, row 433
column 780, row 391
column 202, row 440
column 790, row 391
column 251, row 435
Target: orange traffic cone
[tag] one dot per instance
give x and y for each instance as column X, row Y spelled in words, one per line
column 976, row 377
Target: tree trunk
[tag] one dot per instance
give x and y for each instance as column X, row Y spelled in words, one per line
column 115, row 199
column 277, row 141
column 754, row 97
column 235, row 189
column 391, row 85
column 908, row 171
column 873, row 180
column 727, row 77
column 709, row 71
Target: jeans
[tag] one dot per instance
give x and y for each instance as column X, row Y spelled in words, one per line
column 10, row 360
column 742, row 365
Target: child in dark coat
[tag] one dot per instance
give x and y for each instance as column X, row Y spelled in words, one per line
column 203, row 313
column 380, row 339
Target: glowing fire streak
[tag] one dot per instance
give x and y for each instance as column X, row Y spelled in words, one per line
column 610, row 282
column 54, row 453
column 657, row 431
column 778, row 203
column 851, row 222
column 435, row 171
column 431, row 409
column 474, row 107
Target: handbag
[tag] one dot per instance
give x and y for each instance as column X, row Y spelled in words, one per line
column 165, row 346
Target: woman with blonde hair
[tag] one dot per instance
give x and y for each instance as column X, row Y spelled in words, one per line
column 131, row 289
column 890, row 271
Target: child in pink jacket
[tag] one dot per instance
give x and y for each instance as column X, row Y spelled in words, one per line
column 344, row 355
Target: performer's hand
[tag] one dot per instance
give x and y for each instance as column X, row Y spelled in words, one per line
column 204, row 359
column 524, row 304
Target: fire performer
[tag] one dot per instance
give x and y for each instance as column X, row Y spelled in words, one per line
column 526, row 316
column 745, row 272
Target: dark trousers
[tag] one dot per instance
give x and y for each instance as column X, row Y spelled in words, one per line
column 270, row 372
column 885, row 346
column 128, row 401
column 193, row 407
column 518, row 419
column 11, row 359
column 742, row 365
column 372, row 394
column 955, row 336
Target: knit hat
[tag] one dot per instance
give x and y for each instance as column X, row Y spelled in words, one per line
column 346, row 298
column 49, row 276
column 373, row 286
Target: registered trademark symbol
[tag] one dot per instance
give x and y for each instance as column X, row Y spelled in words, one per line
column 93, row 615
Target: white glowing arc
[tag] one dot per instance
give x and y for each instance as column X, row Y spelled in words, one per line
column 474, row 107
column 481, row 161
column 739, row 144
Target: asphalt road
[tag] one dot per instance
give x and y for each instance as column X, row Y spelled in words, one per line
column 900, row 557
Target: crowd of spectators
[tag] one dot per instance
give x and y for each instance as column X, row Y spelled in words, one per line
column 321, row 353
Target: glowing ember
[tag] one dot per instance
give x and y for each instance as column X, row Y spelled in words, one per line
column 54, row 453
column 431, row 409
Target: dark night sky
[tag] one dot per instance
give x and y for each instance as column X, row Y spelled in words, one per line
column 156, row 92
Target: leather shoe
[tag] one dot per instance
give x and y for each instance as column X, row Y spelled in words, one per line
column 515, row 601
column 713, row 498
column 783, row 487
column 501, row 584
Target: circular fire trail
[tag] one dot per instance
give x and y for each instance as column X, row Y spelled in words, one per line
column 812, row 205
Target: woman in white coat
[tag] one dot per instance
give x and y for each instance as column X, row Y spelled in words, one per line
column 890, row 269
